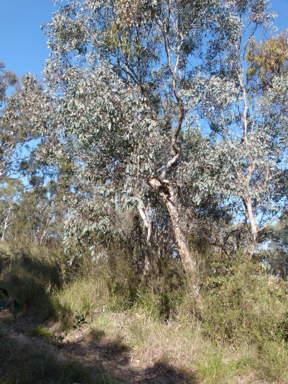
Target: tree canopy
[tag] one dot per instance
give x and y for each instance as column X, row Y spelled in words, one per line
column 155, row 105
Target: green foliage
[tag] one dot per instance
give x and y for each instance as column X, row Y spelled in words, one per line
column 80, row 320
column 14, row 305
column 212, row 370
column 11, row 191
column 277, row 255
column 129, row 112
column 267, row 60
column 12, row 140
column 282, row 327
column 31, row 274
column 7, row 79
column 142, row 193
column 244, row 306
column 123, row 280
column 41, row 331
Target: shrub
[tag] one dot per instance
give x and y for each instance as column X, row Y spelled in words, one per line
column 244, row 306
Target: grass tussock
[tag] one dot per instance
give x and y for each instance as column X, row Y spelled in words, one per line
column 238, row 334
column 41, row 331
column 31, row 273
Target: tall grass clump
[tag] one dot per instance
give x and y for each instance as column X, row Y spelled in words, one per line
column 31, row 273
column 245, row 308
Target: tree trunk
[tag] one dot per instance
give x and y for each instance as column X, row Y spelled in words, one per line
column 148, row 223
column 167, row 194
column 6, row 224
column 254, row 228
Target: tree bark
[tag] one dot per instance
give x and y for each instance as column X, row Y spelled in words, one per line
column 254, row 228
column 6, row 223
column 148, row 224
column 169, row 197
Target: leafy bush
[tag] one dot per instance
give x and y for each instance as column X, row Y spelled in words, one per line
column 244, row 306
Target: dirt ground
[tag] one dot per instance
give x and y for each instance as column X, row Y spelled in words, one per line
column 92, row 349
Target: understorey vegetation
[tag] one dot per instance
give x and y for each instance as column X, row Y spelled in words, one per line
column 143, row 191
column 237, row 332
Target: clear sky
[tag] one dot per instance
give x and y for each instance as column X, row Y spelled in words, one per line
column 23, row 45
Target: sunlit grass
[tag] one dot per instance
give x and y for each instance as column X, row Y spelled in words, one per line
column 41, row 331
column 235, row 337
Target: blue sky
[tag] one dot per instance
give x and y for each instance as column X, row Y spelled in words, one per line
column 280, row 7
column 23, row 45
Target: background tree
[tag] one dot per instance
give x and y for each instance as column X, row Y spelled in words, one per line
column 277, row 256
column 10, row 192
column 13, row 141
column 267, row 60
column 248, row 120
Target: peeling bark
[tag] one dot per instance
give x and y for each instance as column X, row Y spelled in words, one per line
column 168, row 196
column 254, row 227
column 148, row 223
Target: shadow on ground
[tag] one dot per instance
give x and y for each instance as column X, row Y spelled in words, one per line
column 26, row 359
column 62, row 359
column 28, row 279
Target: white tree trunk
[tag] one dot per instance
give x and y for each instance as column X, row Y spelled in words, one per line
column 147, row 217
column 148, row 222
column 254, row 228
column 168, row 196
column 7, row 223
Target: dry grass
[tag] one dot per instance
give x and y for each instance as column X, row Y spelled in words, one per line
column 23, row 363
column 153, row 340
column 231, row 340
column 184, row 341
column 184, row 347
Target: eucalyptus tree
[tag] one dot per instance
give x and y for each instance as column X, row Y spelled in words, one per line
column 128, row 86
column 8, row 144
column 12, row 139
column 277, row 255
column 7, row 79
column 10, row 194
column 38, row 216
column 246, row 108
column 267, row 59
